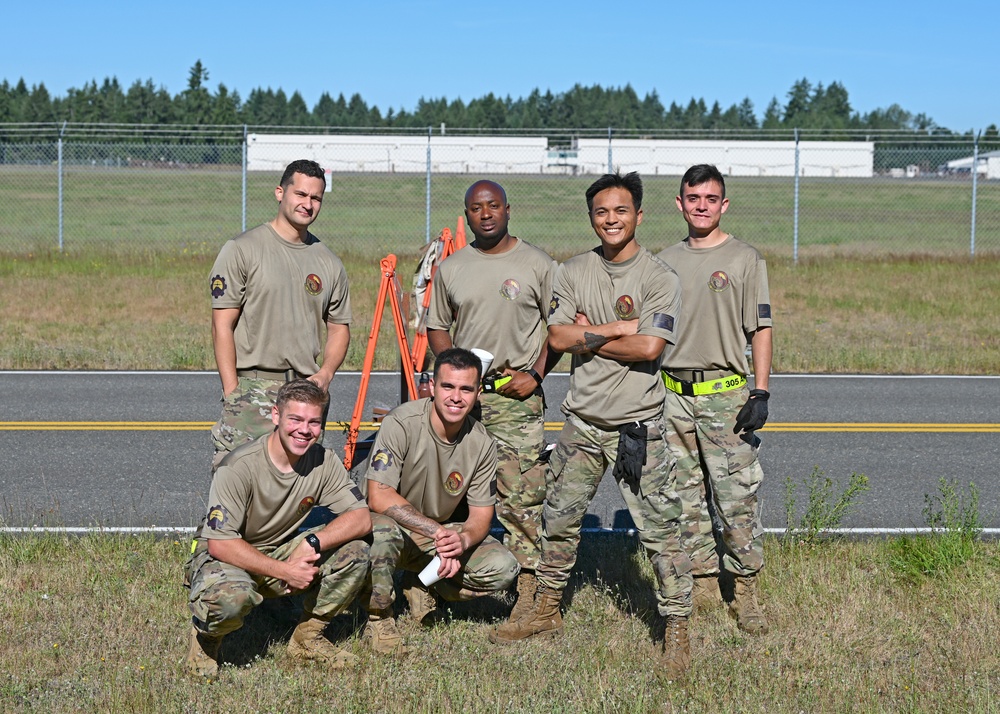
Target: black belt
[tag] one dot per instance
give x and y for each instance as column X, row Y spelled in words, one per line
column 277, row 375
column 697, row 375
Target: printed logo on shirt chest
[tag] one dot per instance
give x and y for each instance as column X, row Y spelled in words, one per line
column 314, row 286
column 510, row 289
column 305, row 505
column 625, row 307
column 453, row 484
column 218, row 286
column 719, row 281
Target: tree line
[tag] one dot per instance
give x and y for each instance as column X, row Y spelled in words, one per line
column 807, row 106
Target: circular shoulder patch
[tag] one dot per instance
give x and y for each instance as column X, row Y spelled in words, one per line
column 314, row 286
column 719, row 281
column 218, row 286
column 625, row 307
column 381, row 460
column 216, row 517
column 453, row 484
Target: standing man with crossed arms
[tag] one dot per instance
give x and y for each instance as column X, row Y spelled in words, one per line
column 274, row 290
column 614, row 309
column 494, row 295
column 710, row 408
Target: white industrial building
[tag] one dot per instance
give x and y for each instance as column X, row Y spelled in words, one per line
column 377, row 153
column 987, row 166
column 652, row 157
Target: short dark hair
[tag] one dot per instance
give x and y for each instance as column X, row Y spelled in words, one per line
column 458, row 358
column 304, row 167
column 301, row 390
column 702, row 173
column 630, row 182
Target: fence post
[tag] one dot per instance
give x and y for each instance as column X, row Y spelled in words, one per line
column 795, row 209
column 611, row 169
column 59, row 168
column 427, row 238
column 975, row 186
column 244, row 189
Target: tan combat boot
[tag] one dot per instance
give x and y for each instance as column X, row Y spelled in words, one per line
column 543, row 619
column 675, row 657
column 705, row 595
column 527, row 584
column 423, row 605
column 203, row 654
column 309, row 643
column 745, row 607
column 383, row 634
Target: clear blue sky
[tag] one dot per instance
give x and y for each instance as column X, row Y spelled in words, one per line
column 930, row 57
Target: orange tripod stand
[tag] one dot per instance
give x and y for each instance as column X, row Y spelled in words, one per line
column 448, row 246
column 389, row 286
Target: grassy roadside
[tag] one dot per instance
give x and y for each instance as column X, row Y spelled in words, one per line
column 835, row 315
column 104, row 631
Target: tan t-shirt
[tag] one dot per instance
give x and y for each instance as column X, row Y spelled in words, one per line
column 603, row 391
column 251, row 499
column 427, row 471
column 287, row 293
column 497, row 303
column 726, row 300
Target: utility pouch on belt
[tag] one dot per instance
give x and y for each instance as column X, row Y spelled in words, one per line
column 492, row 384
column 631, row 453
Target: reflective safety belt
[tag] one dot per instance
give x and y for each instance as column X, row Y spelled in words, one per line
column 709, row 386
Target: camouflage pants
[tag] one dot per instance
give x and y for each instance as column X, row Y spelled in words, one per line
column 246, row 415
column 221, row 595
column 714, row 463
column 487, row 567
column 582, row 454
column 518, row 428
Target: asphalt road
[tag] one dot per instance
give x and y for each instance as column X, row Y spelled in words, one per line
column 132, row 449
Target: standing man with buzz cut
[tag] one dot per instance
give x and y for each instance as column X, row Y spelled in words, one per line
column 275, row 291
column 711, row 410
column 494, row 295
column 614, row 309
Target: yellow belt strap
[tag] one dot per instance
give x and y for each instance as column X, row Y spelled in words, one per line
column 709, row 386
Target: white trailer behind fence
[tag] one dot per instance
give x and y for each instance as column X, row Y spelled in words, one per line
column 655, row 157
column 531, row 155
column 400, row 154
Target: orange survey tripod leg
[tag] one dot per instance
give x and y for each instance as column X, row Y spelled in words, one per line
column 389, row 286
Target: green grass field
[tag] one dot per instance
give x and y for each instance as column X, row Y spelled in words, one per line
column 184, row 212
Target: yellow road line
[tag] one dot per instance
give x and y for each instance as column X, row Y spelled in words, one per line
column 887, row 427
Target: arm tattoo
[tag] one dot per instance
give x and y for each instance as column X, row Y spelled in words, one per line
column 412, row 519
column 589, row 343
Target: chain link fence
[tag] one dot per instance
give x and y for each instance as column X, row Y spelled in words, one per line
column 141, row 190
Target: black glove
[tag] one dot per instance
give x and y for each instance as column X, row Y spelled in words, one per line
column 631, row 454
column 754, row 413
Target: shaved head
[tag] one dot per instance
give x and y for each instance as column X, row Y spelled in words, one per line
column 491, row 185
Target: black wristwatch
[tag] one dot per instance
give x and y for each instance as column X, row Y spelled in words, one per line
column 534, row 375
column 312, row 540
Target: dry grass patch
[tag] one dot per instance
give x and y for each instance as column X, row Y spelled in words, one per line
column 837, row 315
column 98, row 623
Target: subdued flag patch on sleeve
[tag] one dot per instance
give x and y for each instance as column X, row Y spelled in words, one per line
column 662, row 321
column 764, row 311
